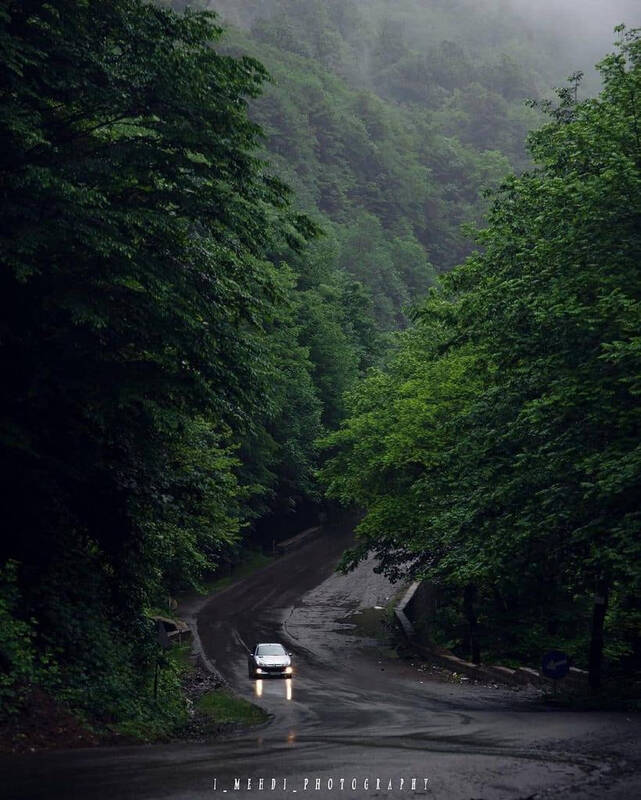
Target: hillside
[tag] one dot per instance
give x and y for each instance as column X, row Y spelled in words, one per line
column 390, row 123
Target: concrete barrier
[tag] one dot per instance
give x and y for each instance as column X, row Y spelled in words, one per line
column 576, row 680
column 525, row 675
column 176, row 630
column 297, row 541
column 401, row 617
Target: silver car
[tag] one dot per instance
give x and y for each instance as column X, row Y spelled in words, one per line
column 269, row 658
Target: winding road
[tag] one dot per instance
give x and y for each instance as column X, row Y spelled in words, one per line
column 355, row 721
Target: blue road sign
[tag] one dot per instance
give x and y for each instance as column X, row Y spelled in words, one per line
column 555, row 665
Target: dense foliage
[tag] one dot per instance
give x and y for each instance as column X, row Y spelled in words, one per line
column 498, row 453
column 155, row 379
column 176, row 333
column 388, row 131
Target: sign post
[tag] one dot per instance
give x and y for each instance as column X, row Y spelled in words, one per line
column 163, row 641
column 555, row 665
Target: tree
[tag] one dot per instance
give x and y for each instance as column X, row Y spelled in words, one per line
column 519, row 472
column 136, row 297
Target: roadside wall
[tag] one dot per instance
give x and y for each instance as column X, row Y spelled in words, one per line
column 420, row 609
column 414, row 614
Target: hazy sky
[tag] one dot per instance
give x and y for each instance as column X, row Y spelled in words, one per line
column 584, row 29
column 594, row 17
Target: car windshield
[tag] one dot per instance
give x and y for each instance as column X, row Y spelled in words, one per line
column 270, row 650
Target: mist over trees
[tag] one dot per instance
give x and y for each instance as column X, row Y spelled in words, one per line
column 585, row 24
column 371, row 110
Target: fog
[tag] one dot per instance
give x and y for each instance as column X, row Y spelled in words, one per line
column 594, row 18
column 582, row 29
column 571, row 34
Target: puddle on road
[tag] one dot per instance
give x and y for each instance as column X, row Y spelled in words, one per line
column 369, row 623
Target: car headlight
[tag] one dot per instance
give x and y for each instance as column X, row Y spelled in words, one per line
column 259, row 670
column 288, row 670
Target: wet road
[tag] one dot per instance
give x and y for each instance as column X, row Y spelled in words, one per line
column 354, row 721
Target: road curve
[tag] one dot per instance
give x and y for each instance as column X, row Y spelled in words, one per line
column 355, row 721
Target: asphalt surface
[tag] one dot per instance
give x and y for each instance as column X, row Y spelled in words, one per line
column 355, row 721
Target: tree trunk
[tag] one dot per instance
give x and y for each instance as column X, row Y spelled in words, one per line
column 469, row 597
column 596, row 640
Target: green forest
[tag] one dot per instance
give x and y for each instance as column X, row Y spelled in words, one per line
column 265, row 261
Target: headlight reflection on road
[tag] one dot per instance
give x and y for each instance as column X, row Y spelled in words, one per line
column 259, row 687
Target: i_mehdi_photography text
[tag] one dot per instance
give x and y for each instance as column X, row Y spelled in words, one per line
column 338, row 783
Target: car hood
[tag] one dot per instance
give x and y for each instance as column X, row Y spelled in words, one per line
column 274, row 661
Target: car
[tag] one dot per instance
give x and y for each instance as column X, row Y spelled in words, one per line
column 269, row 659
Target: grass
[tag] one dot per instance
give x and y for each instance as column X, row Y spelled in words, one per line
column 158, row 719
column 179, row 655
column 167, row 718
column 223, row 706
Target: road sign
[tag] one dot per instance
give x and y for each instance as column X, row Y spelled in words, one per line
column 555, row 665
